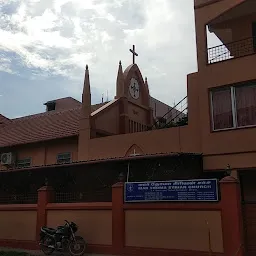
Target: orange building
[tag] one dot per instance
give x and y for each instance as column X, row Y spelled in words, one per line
column 67, row 126
column 219, row 136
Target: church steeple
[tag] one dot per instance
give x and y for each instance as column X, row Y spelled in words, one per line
column 85, row 120
column 86, row 97
column 146, row 84
column 147, row 92
column 120, row 87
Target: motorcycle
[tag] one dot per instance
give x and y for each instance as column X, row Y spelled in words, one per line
column 62, row 239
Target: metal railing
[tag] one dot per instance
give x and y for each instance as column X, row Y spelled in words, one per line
column 241, row 246
column 104, row 195
column 176, row 116
column 30, row 198
column 232, row 50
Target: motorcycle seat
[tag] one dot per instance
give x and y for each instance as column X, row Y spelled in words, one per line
column 49, row 230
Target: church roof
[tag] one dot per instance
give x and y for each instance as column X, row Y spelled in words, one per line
column 41, row 127
column 3, row 119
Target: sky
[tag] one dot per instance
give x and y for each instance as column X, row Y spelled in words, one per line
column 46, row 44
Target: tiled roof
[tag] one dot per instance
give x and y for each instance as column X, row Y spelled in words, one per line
column 97, row 106
column 3, row 119
column 103, row 106
column 41, row 127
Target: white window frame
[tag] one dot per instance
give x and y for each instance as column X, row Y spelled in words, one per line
column 233, row 105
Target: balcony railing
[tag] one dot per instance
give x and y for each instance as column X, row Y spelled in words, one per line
column 176, row 116
column 232, row 50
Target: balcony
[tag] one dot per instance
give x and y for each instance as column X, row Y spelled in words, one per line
column 232, row 50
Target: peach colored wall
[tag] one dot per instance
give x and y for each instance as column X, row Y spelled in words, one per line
column 234, row 141
column 67, row 103
column 235, row 144
column 62, row 146
column 236, row 29
column 137, row 113
column 36, row 152
column 202, row 17
column 94, row 225
column 236, row 161
column 18, row 225
column 173, row 229
column 176, row 139
column 242, row 28
column 108, row 120
column 45, row 153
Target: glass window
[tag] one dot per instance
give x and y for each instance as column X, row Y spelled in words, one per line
column 245, row 105
column 222, row 109
column 234, row 107
column 63, row 158
column 23, row 163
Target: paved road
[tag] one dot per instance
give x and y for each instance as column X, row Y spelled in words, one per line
column 39, row 253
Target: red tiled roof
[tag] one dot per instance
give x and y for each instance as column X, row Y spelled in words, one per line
column 3, row 119
column 41, row 127
column 97, row 106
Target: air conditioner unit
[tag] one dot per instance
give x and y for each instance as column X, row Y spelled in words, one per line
column 7, row 158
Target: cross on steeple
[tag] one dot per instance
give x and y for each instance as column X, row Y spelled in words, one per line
column 133, row 54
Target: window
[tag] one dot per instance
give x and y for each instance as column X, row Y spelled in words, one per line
column 222, row 109
column 234, row 107
column 63, row 158
column 24, row 163
column 246, row 105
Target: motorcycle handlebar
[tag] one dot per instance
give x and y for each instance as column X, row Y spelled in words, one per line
column 66, row 222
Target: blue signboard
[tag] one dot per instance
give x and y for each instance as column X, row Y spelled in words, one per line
column 175, row 191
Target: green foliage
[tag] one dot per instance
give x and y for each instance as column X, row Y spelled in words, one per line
column 181, row 122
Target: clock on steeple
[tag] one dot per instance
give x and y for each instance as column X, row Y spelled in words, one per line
column 134, row 89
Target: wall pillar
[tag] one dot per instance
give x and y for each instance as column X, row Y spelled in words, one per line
column 123, row 116
column 45, row 196
column 150, row 117
column 232, row 221
column 118, row 218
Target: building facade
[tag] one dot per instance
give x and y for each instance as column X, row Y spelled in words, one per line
column 221, row 126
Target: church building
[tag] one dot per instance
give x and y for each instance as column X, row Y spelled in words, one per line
column 82, row 150
column 61, row 134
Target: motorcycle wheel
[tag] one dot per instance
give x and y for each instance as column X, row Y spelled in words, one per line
column 77, row 247
column 47, row 241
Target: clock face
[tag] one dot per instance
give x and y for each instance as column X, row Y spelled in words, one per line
column 134, row 89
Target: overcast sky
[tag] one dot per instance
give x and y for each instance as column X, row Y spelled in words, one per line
column 45, row 45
